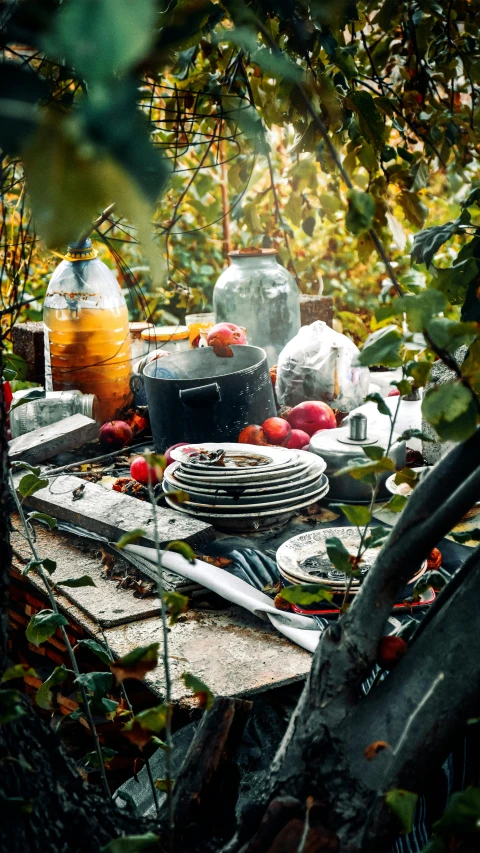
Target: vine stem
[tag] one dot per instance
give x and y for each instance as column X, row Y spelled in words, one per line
column 63, row 632
column 168, row 683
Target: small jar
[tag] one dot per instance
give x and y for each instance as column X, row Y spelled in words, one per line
column 197, row 324
column 53, row 406
column 174, row 338
column 139, row 347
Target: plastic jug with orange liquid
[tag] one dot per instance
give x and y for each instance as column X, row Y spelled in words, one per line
column 87, row 340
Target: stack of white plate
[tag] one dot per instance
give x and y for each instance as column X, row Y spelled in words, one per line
column 242, row 487
column 304, row 559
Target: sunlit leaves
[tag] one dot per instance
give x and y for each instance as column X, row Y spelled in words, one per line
column 201, row 692
column 382, row 348
column 306, row 593
column 413, row 207
column 370, row 121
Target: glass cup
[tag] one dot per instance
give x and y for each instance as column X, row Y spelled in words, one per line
column 196, row 323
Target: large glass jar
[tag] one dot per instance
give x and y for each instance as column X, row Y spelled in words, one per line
column 258, row 293
column 87, row 339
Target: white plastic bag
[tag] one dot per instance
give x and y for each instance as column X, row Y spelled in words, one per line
column 317, row 365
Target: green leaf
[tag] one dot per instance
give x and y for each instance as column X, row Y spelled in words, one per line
column 396, row 503
column 419, row 371
column 381, row 406
column 84, row 580
column 373, row 452
column 403, row 804
column 44, row 697
column 182, row 548
column 378, row 536
column 306, row 593
column 343, row 59
column 199, row 689
column 370, row 121
column 131, row 536
column 433, row 579
column 12, row 361
column 414, row 433
column 308, row 225
column 382, row 348
column 360, row 469
column 29, row 484
column 164, row 785
column 421, row 175
column 338, row 554
column 43, row 625
column 91, row 758
column 96, row 683
column 97, row 650
column 17, row 466
column 450, row 409
column 462, row 815
column 153, row 720
column 454, row 281
column 48, row 520
column 176, row 604
column 427, row 243
column 361, row 209
column 100, row 38
column 49, row 565
column 20, row 670
column 407, row 475
column 420, row 308
column 136, row 663
column 133, row 844
column 358, row 515
column 467, row 536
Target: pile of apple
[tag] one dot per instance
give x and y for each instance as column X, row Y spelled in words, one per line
column 295, row 430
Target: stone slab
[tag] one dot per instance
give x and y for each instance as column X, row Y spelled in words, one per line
column 45, row 442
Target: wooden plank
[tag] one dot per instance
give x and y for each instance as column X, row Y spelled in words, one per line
column 111, row 514
column 43, row 443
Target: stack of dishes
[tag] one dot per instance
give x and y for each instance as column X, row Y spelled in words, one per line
column 304, row 559
column 242, row 487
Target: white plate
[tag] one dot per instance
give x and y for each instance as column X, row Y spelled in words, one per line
column 395, row 489
column 291, row 509
column 276, row 456
column 240, row 497
column 302, row 473
column 315, row 490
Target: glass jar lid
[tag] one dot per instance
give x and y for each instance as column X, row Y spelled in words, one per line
column 252, row 253
column 165, row 333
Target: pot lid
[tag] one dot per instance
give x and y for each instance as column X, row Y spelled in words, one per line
column 165, row 333
column 252, row 253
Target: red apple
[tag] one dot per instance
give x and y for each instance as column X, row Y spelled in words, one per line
column 223, row 336
column 312, row 416
column 141, row 471
column 277, row 430
column 252, row 434
column 390, row 650
column 298, row 440
column 394, row 392
column 114, row 435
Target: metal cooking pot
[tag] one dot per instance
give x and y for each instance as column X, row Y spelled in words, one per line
column 198, row 396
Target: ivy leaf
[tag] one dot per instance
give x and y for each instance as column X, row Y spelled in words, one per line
column 403, row 804
column 358, row 515
column 361, row 209
column 49, row 565
column 176, row 604
column 43, row 625
column 17, row 466
column 20, row 670
column 133, row 844
column 44, row 697
column 427, row 243
column 338, row 555
column 30, row 483
column 143, row 726
column 306, row 593
column 129, row 537
column 382, row 348
column 136, row 663
column 450, row 409
column 48, row 520
column 182, row 548
column 96, row 683
column 370, row 121
column 396, row 503
column 97, row 650
column 199, row 690
column 74, row 583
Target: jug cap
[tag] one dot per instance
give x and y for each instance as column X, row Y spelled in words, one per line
column 81, row 251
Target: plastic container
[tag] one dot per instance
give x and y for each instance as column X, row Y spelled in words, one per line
column 258, row 293
column 174, row 338
column 52, row 407
column 87, row 339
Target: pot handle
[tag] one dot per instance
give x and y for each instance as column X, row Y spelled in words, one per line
column 136, row 383
column 201, row 396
